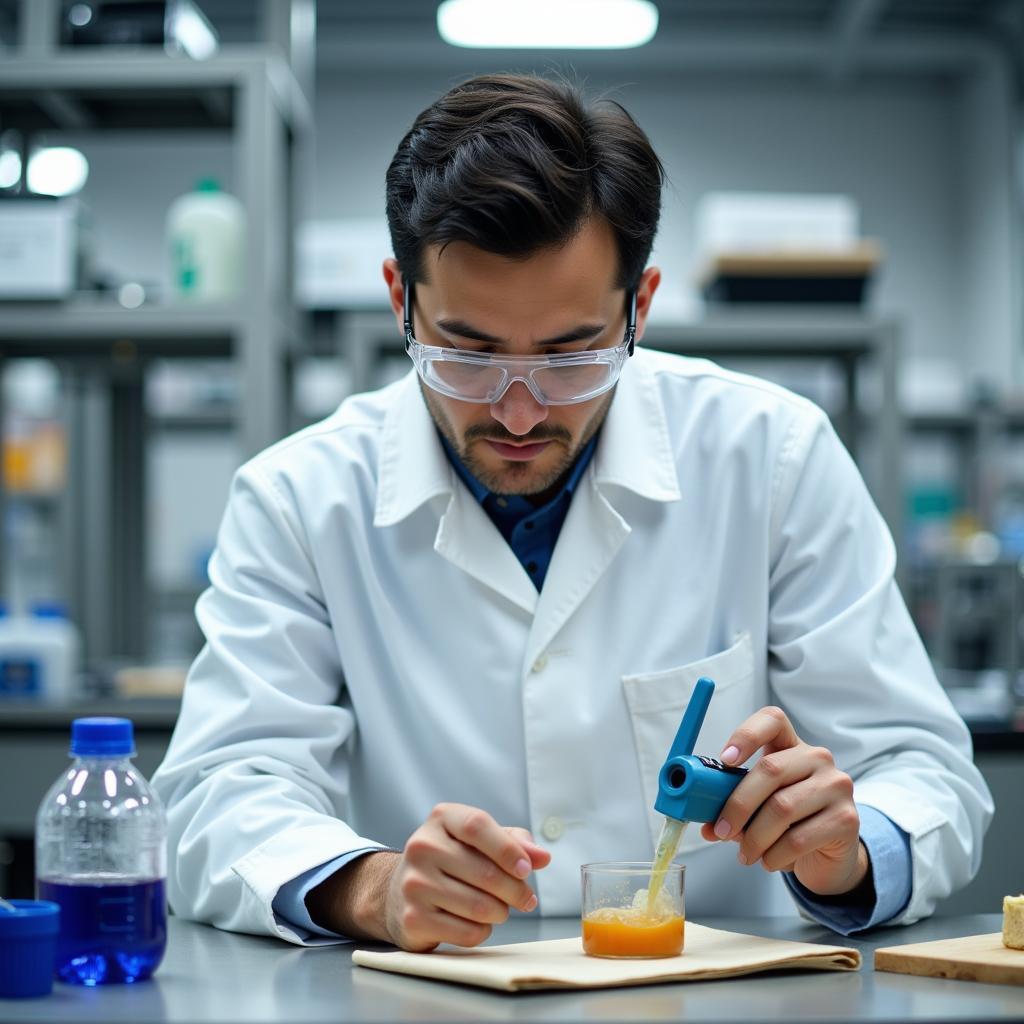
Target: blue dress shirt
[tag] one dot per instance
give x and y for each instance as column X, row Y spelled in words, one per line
column 531, row 532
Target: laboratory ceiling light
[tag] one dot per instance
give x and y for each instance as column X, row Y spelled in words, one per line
column 57, row 171
column 548, row 24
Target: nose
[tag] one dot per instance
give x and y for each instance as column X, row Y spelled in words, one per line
column 517, row 410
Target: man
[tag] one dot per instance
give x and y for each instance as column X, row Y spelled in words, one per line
column 466, row 612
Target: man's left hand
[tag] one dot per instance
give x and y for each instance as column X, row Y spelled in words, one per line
column 794, row 811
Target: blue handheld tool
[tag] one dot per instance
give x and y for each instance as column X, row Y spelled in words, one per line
column 693, row 787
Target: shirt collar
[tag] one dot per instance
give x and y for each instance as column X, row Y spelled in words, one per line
column 634, row 449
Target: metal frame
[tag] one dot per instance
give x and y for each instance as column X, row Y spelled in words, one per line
column 998, row 588
column 263, row 94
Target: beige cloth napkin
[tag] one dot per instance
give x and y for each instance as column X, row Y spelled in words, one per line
column 561, row 963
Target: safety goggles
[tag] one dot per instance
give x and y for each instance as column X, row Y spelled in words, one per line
column 561, row 379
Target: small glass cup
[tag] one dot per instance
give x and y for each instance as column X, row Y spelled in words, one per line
column 620, row 921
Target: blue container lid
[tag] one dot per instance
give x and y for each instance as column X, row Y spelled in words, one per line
column 30, row 917
column 28, row 944
column 49, row 610
column 102, row 737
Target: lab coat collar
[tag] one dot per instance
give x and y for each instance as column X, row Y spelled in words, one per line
column 413, row 470
column 413, row 466
column 634, row 451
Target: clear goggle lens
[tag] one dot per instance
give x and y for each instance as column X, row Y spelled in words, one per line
column 551, row 385
column 556, row 380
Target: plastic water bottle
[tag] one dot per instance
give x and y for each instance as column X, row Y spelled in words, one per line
column 101, row 854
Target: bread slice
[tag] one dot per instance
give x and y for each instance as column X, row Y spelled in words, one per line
column 1013, row 922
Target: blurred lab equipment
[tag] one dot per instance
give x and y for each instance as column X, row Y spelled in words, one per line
column 977, row 643
column 42, row 255
column 101, row 854
column 39, row 654
column 179, row 26
column 778, row 247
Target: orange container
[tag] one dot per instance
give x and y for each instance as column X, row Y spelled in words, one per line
column 631, row 933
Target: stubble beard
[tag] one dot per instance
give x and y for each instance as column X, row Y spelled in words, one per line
column 523, row 478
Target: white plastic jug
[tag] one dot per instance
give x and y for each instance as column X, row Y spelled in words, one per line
column 38, row 655
column 206, row 241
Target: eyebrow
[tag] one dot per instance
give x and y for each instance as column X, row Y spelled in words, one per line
column 585, row 332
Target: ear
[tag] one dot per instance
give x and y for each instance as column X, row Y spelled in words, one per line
column 393, row 279
column 649, row 281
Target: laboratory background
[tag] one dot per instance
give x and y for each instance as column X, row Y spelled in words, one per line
column 191, row 236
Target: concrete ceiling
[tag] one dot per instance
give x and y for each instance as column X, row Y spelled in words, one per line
column 836, row 39
column 833, row 39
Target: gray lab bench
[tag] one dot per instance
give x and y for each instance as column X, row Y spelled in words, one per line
column 210, row 975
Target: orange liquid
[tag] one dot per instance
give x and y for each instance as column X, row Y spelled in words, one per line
column 631, row 933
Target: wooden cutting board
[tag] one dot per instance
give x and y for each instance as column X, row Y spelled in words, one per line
column 971, row 958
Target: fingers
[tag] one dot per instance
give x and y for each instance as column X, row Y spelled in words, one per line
column 472, row 868
column 774, row 772
column 794, row 803
column 832, row 824
column 459, row 874
column 784, row 809
column 537, row 854
column 477, row 829
column 770, row 727
column 423, row 927
column 471, row 904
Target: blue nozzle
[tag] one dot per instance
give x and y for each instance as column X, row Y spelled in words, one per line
column 693, row 718
column 693, row 787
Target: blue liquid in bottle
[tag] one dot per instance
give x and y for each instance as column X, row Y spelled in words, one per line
column 101, row 841
column 109, row 933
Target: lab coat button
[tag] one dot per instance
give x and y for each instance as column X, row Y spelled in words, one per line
column 553, row 828
column 540, row 664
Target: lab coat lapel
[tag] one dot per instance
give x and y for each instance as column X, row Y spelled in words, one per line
column 590, row 538
column 633, row 453
column 413, row 470
column 468, row 539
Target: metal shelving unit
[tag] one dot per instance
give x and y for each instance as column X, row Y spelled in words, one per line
column 260, row 95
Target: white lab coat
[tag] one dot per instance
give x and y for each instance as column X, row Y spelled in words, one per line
column 374, row 647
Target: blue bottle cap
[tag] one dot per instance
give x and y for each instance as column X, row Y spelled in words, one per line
column 102, row 737
column 28, row 945
column 49, row 610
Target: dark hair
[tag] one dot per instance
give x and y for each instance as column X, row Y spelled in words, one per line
column 516, row 163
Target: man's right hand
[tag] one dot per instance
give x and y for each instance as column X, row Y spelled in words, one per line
column 457, row 877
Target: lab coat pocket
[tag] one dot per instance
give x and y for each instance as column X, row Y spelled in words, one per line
column 656, row 704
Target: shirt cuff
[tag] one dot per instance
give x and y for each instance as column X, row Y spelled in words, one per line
column 290, row 901
column 888, row 848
